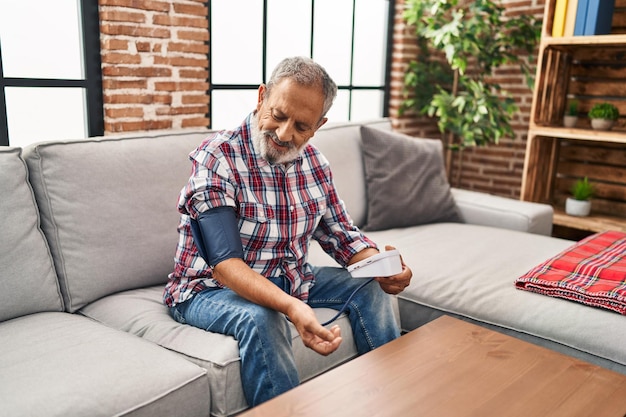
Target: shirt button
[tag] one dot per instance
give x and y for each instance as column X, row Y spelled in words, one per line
column 291, row 208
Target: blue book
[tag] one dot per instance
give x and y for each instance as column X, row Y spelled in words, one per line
column 599, row 17
column 581, row 18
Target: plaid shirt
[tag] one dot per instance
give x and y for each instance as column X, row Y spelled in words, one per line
column 279, row 210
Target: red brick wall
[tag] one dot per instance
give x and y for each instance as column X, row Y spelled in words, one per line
column 404, row 51
column 154, row 64
column 495, row 169
column 155, row 71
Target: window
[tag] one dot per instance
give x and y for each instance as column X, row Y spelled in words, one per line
column 348, row 37
column 50, row 77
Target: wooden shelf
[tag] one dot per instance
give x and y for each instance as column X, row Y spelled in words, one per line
column 585, row 41
column 589, row 69
column 593, row 223
column 614, row 136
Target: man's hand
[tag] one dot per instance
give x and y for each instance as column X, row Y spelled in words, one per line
column 237, row 275
column 397, row 283
column 313, row 334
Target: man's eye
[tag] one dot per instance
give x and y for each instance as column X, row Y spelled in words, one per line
column 278, row 117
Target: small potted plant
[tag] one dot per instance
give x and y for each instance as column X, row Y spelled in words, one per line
column 603, row 116
column 571, row 115
column 580, row 202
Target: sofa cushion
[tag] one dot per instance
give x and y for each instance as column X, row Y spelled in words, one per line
column 340, row 143
column 469, row 271
column 108, row 208
column 60, row 364
column 406, row 181
column 28, row 282
column 141, row 312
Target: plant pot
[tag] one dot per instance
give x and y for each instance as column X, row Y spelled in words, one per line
column 580, row 208
column 602, row 124
column 570, row 121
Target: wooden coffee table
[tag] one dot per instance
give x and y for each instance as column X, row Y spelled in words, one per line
column 452, row 368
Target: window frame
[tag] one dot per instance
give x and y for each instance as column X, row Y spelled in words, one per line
column 385, row 88
column 91, row 83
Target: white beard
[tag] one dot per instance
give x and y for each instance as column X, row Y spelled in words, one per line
column 261, row 139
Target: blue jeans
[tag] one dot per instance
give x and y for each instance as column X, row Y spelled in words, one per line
column 267, row 363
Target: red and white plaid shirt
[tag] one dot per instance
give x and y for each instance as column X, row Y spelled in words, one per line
column 279, row 210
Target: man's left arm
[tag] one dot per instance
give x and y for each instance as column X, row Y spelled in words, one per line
column 339, row 237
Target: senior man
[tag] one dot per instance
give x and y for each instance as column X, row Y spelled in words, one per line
column 256, row 197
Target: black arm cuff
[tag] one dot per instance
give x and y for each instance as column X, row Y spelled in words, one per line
column 216, row 235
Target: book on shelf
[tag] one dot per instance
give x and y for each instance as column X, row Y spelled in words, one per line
column 599, row 17
column 593, row 17
column 558, row 24
column 581, row 17
column 570, row 17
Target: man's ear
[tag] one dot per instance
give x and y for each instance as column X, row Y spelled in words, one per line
column 261, row 96
column 322, row 122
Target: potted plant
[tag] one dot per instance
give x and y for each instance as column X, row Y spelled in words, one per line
column 571, row 115
column 462, row 43
column 580, row 202
column 603, row 116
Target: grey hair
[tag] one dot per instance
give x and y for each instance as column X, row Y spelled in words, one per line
column 305, row 72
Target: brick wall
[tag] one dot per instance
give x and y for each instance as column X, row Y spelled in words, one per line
column 404, row 51
column 494, row 169
column 155, row 71
column 154, row 64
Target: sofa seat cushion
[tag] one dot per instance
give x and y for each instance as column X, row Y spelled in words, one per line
column 470, row 271
column 59, row 364
column 141, row 312
column 26, row 269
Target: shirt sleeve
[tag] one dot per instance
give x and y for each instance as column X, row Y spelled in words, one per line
column 336, row 233
column 210, row 184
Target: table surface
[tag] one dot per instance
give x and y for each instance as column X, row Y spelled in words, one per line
column 453, row 368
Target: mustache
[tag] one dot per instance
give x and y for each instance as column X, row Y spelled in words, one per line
column 272, row 135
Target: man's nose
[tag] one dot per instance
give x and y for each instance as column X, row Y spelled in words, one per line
column 285, row 132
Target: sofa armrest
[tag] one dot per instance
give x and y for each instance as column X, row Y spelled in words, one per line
column 507, row 213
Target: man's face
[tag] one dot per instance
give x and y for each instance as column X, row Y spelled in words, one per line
column 286, row 119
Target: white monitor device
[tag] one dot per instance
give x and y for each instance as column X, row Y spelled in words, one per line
column 384, row 264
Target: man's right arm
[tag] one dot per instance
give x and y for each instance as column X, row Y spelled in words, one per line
column 235, row 274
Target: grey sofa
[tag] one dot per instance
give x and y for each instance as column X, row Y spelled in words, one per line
column 88, row 238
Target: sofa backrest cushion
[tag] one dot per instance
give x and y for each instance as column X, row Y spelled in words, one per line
column 108, row 208
column 406, row 181
column 28, row 283
column 341, row 145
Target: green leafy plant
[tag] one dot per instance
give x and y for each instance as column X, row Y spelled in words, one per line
column 461, row 44
column 572, row 108
column 582, row 189
column 605, row 111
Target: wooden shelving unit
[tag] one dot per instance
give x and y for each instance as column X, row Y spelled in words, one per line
column 588, row 69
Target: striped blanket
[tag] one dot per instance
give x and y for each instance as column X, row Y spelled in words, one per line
column 592, row 272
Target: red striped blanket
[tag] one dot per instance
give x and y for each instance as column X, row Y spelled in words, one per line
column 592, row 272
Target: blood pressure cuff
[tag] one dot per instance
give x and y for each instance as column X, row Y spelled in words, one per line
column 216, row 235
